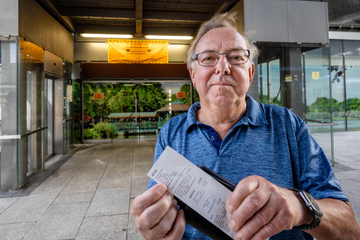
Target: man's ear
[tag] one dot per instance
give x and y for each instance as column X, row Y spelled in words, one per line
column 192, row 75
column 251, row 72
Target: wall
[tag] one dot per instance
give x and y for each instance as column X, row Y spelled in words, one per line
column 86, row 51
column 37, row 26
column 286, row 21
column 9, row 17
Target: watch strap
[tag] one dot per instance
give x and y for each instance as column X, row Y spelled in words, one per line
column 309, row 203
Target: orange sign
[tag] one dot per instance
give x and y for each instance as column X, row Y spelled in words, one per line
column 137, row 51
column 180, row 94
column 98, row 96
column 30, row 52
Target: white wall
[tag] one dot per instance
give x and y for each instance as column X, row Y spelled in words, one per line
column 9, row 21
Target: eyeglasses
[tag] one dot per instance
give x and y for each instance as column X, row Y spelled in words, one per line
column 234, row 57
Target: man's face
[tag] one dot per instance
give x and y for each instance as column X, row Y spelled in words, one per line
column 223, row 84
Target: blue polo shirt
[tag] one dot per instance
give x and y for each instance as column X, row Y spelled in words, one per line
column 269, row 141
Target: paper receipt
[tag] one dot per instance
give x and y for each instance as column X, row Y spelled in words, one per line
column 194, row 187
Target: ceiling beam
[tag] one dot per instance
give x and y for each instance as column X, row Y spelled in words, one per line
column 138, row 17
column 191, row 16
column 53, row 9
column 97, row 12
column 106, row 29
column 218, row 8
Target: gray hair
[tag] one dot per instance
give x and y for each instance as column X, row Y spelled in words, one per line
column 219, row 20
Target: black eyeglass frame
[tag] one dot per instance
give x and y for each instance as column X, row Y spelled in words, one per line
column 217, row 60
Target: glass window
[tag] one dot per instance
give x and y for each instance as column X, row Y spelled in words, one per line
column 131, row 109
column 263, row 83
column 8, row 107
column 352, row 75
column 274, row 81
column 316, row 85
column 32, row 110
column 337, row 84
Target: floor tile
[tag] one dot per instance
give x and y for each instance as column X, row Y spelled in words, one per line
column 15, row 231
column 110, row 202
column 59, row 221
column 5, row 203
column 103, row 227
column 27, row 209
column 74, row 198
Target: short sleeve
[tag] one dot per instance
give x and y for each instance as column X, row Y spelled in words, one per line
column 317, row 175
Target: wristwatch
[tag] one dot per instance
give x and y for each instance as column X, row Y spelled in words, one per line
column 310, row 204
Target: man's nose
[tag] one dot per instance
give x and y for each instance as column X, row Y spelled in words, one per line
column 223, row 65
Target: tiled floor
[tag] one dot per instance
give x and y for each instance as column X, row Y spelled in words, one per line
column 89, row 196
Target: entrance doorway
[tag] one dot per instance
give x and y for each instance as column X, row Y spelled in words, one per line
column 127, row 109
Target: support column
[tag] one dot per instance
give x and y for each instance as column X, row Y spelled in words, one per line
column 291, row 67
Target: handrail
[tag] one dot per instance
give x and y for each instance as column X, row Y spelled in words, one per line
column 322, row 125
column 10, row 137
column 68, row 120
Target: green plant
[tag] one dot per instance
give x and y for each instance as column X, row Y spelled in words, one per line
column 103, row 129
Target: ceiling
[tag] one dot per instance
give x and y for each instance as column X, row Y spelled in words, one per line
column 137, row 17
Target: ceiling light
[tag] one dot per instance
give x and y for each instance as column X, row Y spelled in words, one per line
column 106, row 35
column 169, row 37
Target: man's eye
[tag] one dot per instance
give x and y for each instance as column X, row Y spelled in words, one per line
column 208, row 58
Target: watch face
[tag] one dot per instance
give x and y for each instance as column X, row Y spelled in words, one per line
column 311, row 203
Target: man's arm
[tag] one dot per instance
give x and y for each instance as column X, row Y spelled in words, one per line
column 261, row 209
column 338, row 221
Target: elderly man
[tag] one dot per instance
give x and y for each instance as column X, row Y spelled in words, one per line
column 267, row 150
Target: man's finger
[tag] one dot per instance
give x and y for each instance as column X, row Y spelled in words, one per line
column 242, row 190
column 260, row 219
column 153, row 214
column 178, row 228
column 165, row 224
column 147, row 199
column 249, row 207
column 273, row 227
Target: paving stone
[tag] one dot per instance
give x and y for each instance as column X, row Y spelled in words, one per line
column 27, row 209
column 5, row 203
column 133, row 232
column 89, row 173
column 110, row 202
column 350, row 186
column 138, row 185
column 115, row 179
column 15, row 231
column 141, row 169
column 59, row 221
column 54, row 183
column 104, row 227
column 77, row 187
column 74, row 198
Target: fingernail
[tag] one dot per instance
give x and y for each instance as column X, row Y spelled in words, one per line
column 230, row 209
column 161, row 189
column 232, row 225
column 238, row 236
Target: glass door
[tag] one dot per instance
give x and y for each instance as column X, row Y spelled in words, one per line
column 269, row 82
column 274, row 82
column 49, row 135
column 338, row 85
column 352, row 75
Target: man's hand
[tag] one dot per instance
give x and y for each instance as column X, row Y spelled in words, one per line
column 156, row 215
column 261, row 209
